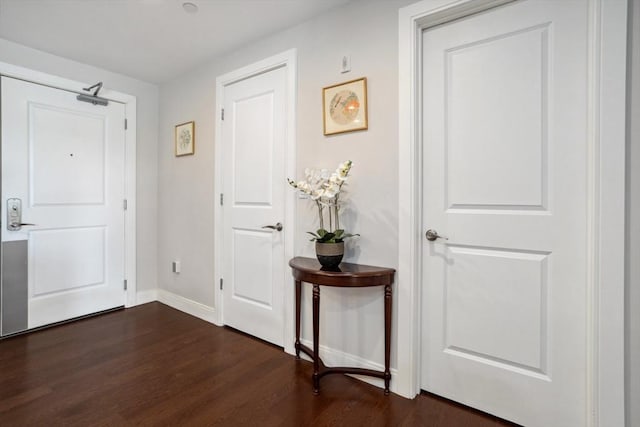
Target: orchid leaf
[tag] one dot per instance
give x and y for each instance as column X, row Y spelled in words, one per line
column 326, row 238
column 345, row 236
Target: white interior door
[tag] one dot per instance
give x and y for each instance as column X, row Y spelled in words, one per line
column 504, row 143
column 64, row 160
column 253, row 138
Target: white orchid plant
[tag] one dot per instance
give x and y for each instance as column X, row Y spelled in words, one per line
column 324, row 187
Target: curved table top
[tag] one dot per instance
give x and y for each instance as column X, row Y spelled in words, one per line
column 346, row 275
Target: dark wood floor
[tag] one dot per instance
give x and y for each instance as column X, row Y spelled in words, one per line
column 153, row 365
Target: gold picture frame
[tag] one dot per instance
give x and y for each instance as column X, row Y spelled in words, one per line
column 185, row 139
column 344, row 107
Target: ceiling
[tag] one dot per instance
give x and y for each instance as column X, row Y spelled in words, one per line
column 151, row 40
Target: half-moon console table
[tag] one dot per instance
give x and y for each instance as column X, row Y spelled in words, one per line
column 346, row 275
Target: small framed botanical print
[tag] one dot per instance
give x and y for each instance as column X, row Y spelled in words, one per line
column 345, row 107
column 185, row 139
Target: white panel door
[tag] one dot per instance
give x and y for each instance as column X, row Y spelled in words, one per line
column 253, row 137
column 64, row 160
column 505, row 180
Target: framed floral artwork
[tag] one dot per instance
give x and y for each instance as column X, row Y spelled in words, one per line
column 185, row 139
column 345, row 107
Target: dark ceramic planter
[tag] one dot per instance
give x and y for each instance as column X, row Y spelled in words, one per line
column 330, row 254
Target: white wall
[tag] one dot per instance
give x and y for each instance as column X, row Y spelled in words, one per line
column 146, row 140
column 368, row 31
column 633, row 220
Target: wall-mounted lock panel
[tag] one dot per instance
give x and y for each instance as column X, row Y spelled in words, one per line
column 14, row 214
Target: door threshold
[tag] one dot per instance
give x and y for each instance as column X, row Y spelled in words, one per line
column 63, row 322
column 253, row 337
column 467, row 408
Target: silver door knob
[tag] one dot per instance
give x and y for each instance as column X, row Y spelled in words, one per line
column 277, row 227
column 433, row 235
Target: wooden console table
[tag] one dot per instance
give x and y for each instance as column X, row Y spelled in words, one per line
column 346, row 275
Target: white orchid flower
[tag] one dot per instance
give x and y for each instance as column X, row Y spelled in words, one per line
column 337, row 179
column 324, row 187
column 317, row 194
column 343, row 168
column 304, row 187
column 332, row 191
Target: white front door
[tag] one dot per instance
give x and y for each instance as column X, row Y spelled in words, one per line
column 63, row 162
column 253, row 141
column 505, row 180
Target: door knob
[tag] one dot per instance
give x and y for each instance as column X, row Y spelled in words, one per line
column 433, row 235
column 277, row 227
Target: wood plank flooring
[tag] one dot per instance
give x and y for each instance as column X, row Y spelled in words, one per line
column 153, row 365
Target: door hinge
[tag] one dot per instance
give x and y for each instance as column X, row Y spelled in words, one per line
column 222, row 114
column 221, row 199
column 221, row 283
column 124, row 204
column 125, row 284
column 125, row 124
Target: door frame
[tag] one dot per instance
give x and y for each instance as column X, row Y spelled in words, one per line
column 287, row 60
column 606, row 196
column 129, row 101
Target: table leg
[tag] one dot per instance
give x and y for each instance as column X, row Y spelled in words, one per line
column 316, row 334
column 298, row 296
column 387, row 336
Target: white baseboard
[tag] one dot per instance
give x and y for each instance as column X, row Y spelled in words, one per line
column 188, row 306
column 332, row 357
column 144, row 297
